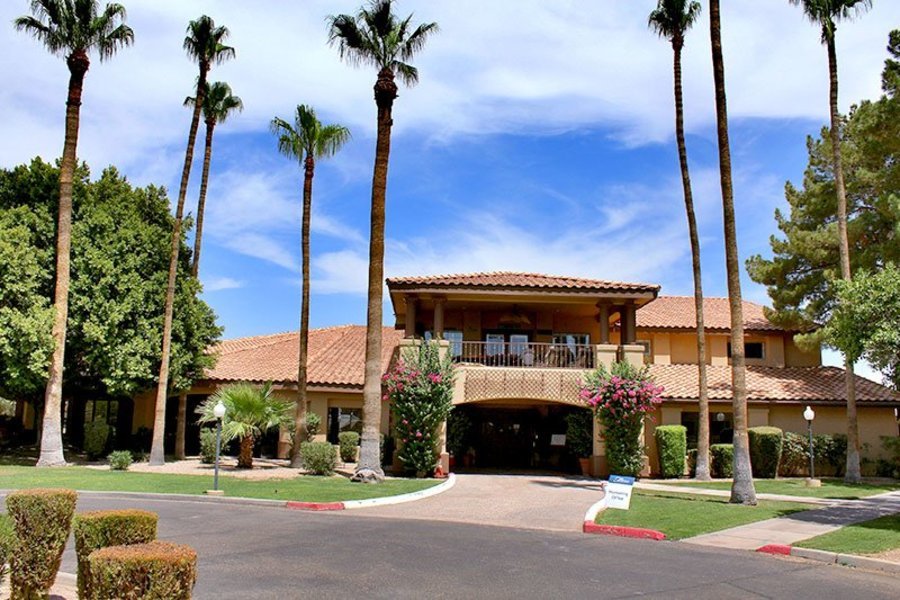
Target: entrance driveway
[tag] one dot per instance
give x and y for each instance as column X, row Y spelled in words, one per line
column 524, row 501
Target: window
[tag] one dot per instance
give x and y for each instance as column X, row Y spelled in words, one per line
column 752, row 350
column 454, row 337
column 494, row 343
column 518, row 343
column 648, row 347
column 343, row 419
column 720, row 432
column 571, row 339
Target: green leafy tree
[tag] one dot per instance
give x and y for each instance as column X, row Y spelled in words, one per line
column 671, row 20
column 205, row 43
column 305, row 140
column 376, row 37
column 71, row 29
column 250, row 412
column 826, row 14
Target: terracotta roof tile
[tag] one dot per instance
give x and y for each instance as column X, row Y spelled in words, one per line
column 513, row 280
column 801, row 384
column 677, row 312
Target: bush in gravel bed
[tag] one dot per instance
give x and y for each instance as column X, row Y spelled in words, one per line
column 42, row 519
column 348, row 442
column 722, row 460
column 765, row 450
column 155, row 570
column 671, row 444
column 318, row 458
column 119, row 460
column 207, row 446
column 102, row 528
column 7, row 542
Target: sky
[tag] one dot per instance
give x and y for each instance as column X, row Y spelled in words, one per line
column 540, row 138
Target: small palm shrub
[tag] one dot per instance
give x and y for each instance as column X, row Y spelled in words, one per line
column 765, row 450
column 318, row 458
column 96, row 435
column 671, row 446
column 207, row 446
column 722, row 460
column 156, row 569
column 42, row 519
column 119, row 460
column 102, row 528
column 348, row 441
column 7, row 544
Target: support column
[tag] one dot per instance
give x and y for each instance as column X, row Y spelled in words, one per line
column 604, row 323
column 439, row 317
column 628, row 317
column 410, row 318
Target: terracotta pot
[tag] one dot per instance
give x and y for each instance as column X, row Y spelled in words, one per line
column 585, row 464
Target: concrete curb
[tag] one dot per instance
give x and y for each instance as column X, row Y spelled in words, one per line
column 832, row 558
column 386, row 500
column 590, row 526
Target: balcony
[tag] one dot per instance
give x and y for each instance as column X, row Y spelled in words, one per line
column 531, row 355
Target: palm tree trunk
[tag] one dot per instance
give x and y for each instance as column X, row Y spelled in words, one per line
column 369, row 467
column 852, row 474
column 742, row 490
column 702, row 466
column 51, row 428
column 300, row 431
column 157, row 449
column 181, row 427
column 245, row 456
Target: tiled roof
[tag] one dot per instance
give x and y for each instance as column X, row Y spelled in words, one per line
column 800, row 384
column 677, row 312
column 527, row 281
column 336, row 356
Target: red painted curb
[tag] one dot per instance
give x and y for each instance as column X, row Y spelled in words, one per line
column 630, row 532
column 315, row 505
column 775, row 549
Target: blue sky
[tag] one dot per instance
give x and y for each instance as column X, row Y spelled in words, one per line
column 539, row 139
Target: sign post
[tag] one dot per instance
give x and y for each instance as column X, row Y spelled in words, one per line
column 618, row 491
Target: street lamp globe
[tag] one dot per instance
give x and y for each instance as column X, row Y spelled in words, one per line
column 219, row 410
column 720, row 417
column 809, row 414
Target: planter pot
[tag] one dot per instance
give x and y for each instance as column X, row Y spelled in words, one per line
column 452, row 463
column 585, row 464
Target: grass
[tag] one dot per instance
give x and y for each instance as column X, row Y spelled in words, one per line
column 869, row 537
column 834, row 489
column 305, row 488
column 685, row 515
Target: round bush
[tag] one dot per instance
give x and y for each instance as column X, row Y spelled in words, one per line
column 96, row 434
column 765, row 450
column 102, row 528
column 722, row 460
column 671, row 446
column 42, row 519
column 119, row 460
column 318, row 458
column 348, row 442
column 155, row 570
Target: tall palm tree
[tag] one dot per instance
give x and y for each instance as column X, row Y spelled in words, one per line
column 204, row 43
column 671, row 19
column 826, row 13
column 218, row 104
column 71, row 29
column 306, row 140
column 376, row 37
column 742, row 490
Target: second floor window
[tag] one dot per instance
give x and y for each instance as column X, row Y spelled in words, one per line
column 752, row 350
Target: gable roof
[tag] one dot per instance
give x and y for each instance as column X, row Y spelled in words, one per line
column 519, row 281
column 677, row 312
column 336, row 356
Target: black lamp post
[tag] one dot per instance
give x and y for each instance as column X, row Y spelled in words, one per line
column 219, row 412
column 809, row 414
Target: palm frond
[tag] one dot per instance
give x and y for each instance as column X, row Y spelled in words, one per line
column 69, row 26
column 249, row 410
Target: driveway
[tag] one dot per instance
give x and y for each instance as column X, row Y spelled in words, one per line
column 523, row 501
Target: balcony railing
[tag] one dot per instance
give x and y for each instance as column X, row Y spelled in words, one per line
column 525, row 355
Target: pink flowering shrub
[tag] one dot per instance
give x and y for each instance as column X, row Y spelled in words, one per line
column 420, row 389
column 621, row 397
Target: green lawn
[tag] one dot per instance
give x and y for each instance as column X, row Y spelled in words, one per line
column 684, row 515
column 831, row 488
column 868, row 537
column 303, row 488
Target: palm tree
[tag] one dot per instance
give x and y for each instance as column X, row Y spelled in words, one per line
column 742, row 490
column 205, row 44
column 71, row 29
column 250, row 412
column 671, row 19
column 376, row 37
column 826, row 13
column 218, row 104
column 306, row 140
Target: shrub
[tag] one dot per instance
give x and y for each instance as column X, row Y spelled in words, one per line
column 119, row 460
column 313, row 424
column 459, row 432
column 722, row 459
column 318, row 458
column 42, row 519
column 96, row 435
column 890, row 466
column 207, row 446
column 765, row 450
column 7, row 544
column 157, row 570
column 692, row 462
column 348, row 441
column 103, row 528
column 831, row 453
column 671, row 446
column 580, row 433
column 794, row 455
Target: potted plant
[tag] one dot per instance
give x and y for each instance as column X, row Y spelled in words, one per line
column 580, row 437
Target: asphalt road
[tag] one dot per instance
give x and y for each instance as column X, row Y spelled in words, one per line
column 268, row 552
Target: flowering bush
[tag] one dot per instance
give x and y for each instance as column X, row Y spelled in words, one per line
column 420, row 388
column 621, row 397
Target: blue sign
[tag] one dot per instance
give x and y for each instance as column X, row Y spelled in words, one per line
column 621, row 479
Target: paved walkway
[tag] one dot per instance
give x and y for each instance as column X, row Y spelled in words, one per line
column 800, row 526
column 525, row 501
column 687, row 489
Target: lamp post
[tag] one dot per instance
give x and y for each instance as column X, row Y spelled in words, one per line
column 219, row 412
column 809, row 414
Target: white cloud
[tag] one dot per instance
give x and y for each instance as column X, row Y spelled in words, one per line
column 216, row 284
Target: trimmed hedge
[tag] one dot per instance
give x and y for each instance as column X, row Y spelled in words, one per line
column 96, row 436
column 155, row 570
column 119, row 460
column 722, row 460
column 794, row 455
column 319, row 458
column 42, row 519
column 765, row 450
column 348, row 442
column 102, row 528
column 671, row 446
column 7, row 544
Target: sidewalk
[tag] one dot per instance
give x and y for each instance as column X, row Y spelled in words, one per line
column 683, row 489
column 800, row 526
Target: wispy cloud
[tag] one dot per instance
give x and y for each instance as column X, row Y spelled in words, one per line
column 217, row 284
